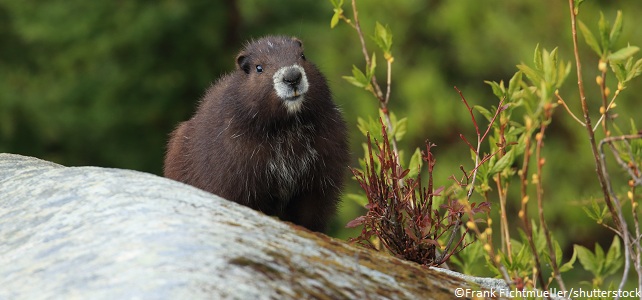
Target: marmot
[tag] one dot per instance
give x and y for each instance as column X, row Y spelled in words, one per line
column 268, row 136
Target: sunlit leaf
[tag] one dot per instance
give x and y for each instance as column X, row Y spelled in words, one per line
column 558, row 252
column 569, row 265
column 335, row 18
column 358, row 78
column 503, row 163
column 485, row 112
column 563, row 70
column 554, row 65
column 514, row 84
column 589, row 38
column 613, row 261
column 354, row 81
column 549, row 65
column 383, row 37
column 587, row 259
column 623, row 54
column 635, row 71
column 619, row 70
column 337, row 3
column 531, row 74
column 599, row 258
column 604, row 30
column 373, row 66
column 362, row 125
column 537, row 57
column 358, row 74
column 401, row 127
column 498, row 88
column 617, row 28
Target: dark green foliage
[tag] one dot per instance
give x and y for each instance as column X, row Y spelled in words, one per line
column 102, row 83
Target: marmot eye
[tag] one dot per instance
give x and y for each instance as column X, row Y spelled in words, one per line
column 259, row 69
column 303, row 56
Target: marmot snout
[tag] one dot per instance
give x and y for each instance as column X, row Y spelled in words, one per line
column 267, row 135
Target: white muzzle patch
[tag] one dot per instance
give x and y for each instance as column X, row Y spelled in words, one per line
column 290, row 84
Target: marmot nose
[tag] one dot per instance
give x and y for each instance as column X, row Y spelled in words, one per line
column 292, row 77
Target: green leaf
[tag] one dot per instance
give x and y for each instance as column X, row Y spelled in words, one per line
column 619, row 70
column 576, row 6
column 415, row 164
column 538, row 237
column 498, row 88
column 373, row 65
column 491, row 265
column 383, row 38
column 623, row 54
column 363, row 126
column 604, row 29
column 587, row 259
column 617, row 28
column 375, row 127
column 589, row 38
column 554, row 65
column 599, row 258
column 613, row 261
column 485, row 112
column 469, row 257
column 563, row 70
column 361, row 200
column 514, row 84
column 354, row 81
column 595, row 213
column 335, row 17
column 537, row 57
column 558, row 252
column 548, row 64
column 569, row 265
column 531, row 74
column 523, row 258
column 520, row 148
column 635, row 71
column 503, row 163
column 400, row 129
column 356, row 72
column 337, row 3
column 358, row 78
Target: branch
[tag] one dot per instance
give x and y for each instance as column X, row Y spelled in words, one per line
column 563, row 103
column 587, row 124
column 540, row 202
column 376, row 89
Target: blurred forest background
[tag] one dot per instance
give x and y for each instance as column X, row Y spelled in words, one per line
column 103, row 83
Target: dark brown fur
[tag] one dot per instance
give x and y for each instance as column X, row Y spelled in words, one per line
column 244, row 145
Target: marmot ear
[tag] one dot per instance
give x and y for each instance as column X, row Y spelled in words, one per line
column 243, row 63
column 298, row 41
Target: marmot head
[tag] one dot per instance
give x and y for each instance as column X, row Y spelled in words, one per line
column 277, row 75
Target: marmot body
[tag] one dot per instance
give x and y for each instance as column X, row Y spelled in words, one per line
column 268, row 136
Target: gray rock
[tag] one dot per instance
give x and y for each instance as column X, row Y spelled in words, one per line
column 98, row 233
